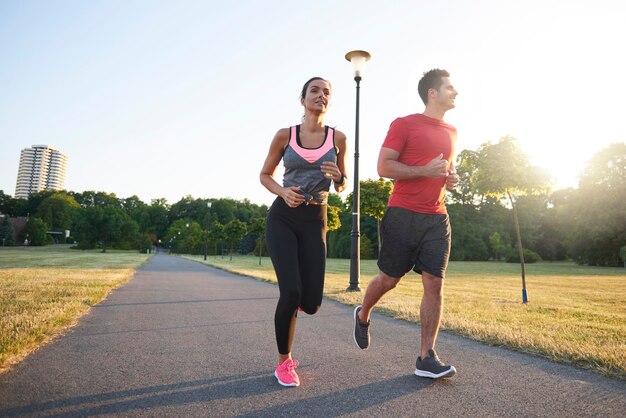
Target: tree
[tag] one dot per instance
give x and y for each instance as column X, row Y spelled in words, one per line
column 91, row 198
column 108, row 226
column 597, row 212
column 190, row 208
column 257, row 227
column 35, row 232
column 13, row 207
column 7, row 233
column 465, row 193
column 333, row 222
column 185, row 236
column 495, row 240
column 234, row 232
column 57, row 211
column 132, row 205
column 35, row 199
column 153, row 220
column 374, row 198
column 503, row 171
column 216, row 234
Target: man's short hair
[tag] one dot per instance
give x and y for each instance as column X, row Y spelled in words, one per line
column 431, row 80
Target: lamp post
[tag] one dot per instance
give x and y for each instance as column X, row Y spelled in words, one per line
column 358, row 59
column 206, row 232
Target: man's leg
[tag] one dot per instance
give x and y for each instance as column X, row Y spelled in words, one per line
column 376, row 289
column 381, row 284
column 430, row 311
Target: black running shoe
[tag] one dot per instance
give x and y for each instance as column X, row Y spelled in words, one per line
column 432, row 367
column 361, row 331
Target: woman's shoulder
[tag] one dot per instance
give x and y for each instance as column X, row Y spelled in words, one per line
column 339, row 135
column 282, row 135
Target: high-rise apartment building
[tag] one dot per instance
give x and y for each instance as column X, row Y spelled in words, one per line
column 41, row 168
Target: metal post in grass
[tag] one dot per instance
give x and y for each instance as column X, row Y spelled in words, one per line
column 521, row 255
column 206, row 232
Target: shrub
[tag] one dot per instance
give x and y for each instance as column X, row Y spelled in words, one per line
column 529, row 256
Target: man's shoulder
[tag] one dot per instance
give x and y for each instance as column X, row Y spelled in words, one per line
column 409, row 118
column 404, row 121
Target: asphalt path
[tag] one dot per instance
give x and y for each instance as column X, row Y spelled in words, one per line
column 183, row 339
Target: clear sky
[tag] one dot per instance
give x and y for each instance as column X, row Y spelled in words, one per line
column 172, row 98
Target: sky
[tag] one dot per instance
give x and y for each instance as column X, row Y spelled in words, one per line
column 165, row 99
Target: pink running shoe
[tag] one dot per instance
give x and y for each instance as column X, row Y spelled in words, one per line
column 286, row 374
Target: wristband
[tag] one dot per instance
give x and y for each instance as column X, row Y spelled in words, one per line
column 341, row 181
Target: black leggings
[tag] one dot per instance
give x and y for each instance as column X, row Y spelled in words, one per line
column 296, row 242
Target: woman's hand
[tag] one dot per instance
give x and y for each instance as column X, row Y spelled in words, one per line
column 331, row 171
column 291, row 196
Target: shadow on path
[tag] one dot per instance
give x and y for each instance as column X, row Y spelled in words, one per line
column 206, row 391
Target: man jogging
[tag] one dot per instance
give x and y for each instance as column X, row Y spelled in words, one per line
column 417, row 153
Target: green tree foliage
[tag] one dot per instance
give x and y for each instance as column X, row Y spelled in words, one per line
column 216, row 236
column 35, row 199
column 190, row 208
column 465, row 193
column 7, row 233
column 366, row 249
column 374, row 197
column 185, row 236
column 234, row 231
column 91, row 198
column 257, row 231
column 107, row 227
column 153, row 220
column 467, row 233
column 596, row 212
column 132, row 205
column 333, row 222
column 35, row 232
column 495, row 240
column 13, row 207
column 529, row 256
column 503, row 171
column 4, row 198
column 57, row 211
column 335, row 199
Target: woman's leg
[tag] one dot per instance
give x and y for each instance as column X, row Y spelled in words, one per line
column 283, row 249
column 312, row 261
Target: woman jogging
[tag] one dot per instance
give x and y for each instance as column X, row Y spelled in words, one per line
column 313, row 155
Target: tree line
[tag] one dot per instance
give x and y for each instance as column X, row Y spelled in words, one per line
column 503, row 209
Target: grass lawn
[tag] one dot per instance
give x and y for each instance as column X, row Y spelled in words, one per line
column 45, row 290
column 576, row 314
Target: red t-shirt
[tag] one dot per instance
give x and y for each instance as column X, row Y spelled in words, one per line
column 419, row 139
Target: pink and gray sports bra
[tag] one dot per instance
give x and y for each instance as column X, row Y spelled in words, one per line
column 302, row 165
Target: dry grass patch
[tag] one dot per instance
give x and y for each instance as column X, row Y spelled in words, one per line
column 51, row 290
column 576, row 314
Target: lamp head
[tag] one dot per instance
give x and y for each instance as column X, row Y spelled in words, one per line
column 358, row 59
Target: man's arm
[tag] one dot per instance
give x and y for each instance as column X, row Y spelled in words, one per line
column 390, row 167
column 453, row 178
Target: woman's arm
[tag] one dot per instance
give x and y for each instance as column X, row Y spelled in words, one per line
column 340, row 143
column 275, row 154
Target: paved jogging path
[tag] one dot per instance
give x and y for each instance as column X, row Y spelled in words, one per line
column 182, row 339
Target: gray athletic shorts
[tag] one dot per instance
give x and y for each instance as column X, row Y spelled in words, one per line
column 412, row 240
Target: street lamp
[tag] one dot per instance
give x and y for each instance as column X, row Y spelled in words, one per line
column 206, row 233
column 358, row 59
